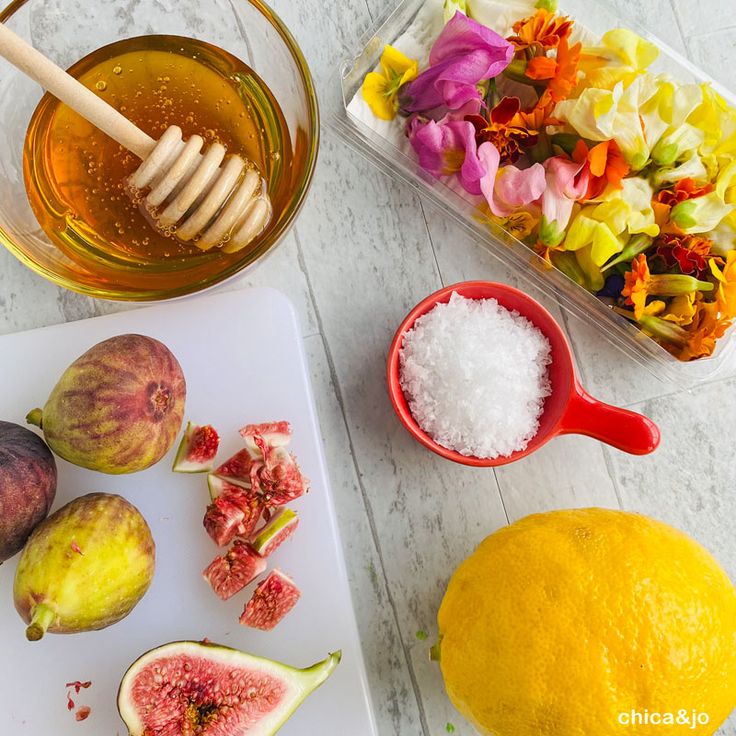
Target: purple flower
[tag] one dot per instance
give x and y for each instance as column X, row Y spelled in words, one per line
column 448, row 147
column 465, row 54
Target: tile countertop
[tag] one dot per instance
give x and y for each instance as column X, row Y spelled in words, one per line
column 407, row 517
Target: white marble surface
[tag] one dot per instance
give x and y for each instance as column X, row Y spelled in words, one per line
column 362, row 253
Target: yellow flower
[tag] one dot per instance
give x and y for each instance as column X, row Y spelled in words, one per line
column 726, row 294
column 621, row 57
column 380, row 89
column 602, row 115
column 717, row 119
column 681, row 309
column 607, row 226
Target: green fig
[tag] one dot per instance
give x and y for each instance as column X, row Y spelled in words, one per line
column 118, row 408
column 85, row 567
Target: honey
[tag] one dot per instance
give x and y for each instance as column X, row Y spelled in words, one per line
column 76, row 176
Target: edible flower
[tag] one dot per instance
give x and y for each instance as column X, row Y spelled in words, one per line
column 506, row 129
column 701, row 214
column 681, row 310
column 605, row 163
column 608, row 225
column 543, row 30
column 464, row 54
column 726, row 292
column 717, row 119
column 448, row 147
column 566, row 181
column 508, row 188
column 562, row 72
column 601, row 115
column 683, row 189
column 380, row 89
column 687, row 252
column 621, row 57
column 640, row 284
column 701, row 336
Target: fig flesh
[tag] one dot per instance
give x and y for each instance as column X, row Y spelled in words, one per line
column 271, row 601
column 85, row 567
column 116, row 409
column 197, row 449
column 27, row 486
column 230, row 573
column 210, row 690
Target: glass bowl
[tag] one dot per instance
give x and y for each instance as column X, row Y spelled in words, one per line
column 68, row 30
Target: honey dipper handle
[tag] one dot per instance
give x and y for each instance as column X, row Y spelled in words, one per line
column 82, row 100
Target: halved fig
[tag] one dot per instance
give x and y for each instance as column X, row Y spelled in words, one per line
column 275, row 532
column 192, row 688
column 197, row 449
column 231, row 572
column 271, row 601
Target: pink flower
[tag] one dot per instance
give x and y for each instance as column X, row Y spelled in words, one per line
column 448, row 147
column 567, row 181
column 509, row 188
column 464, row 54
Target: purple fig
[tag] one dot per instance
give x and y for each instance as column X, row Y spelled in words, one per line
column 27, row 486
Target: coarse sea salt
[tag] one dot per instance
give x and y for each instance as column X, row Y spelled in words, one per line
column 476, row 375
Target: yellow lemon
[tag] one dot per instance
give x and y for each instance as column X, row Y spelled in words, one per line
column 590, row 623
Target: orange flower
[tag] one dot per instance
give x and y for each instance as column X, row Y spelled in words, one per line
column 639, row 284
column 682, row 190
column 704, row 331
column 636, row 285
column 507, row 129
column 606, row 165
column 562, row 72
column 543, row 29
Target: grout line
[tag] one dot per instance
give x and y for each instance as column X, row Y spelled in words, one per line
column 680, row 28
column 363, row 492
column 611, row 470
column 243, row 33
column 431, row 243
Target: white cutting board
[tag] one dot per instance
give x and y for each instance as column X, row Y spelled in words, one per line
column 244, row 362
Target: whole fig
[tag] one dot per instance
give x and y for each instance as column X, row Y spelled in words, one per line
column 118, row 408
column 27, row 485
column 85, row 567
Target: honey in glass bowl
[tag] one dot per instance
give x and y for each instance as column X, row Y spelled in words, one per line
column 76, row 176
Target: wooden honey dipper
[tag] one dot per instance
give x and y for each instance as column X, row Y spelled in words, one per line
column 210, row 198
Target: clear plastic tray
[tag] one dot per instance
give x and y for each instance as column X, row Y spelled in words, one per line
column 597, row 17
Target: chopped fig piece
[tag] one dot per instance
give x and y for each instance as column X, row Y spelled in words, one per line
column 222, row 520
column 82, row 713
column 197, row 449
column 271, row 434
column 234, row 514
column 280, row 480
column 230, row 573
column 271, row 601
column 278, row 529
column 219, row 487
column 237, row 470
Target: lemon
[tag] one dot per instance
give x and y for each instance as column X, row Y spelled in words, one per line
column 590, row 623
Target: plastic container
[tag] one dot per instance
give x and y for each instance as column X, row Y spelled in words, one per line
column 597, row 18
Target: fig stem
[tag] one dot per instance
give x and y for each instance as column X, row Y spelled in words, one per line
column 42, row 618
column 35, row 416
